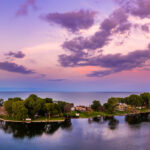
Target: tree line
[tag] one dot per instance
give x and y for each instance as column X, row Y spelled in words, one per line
column 33, row 106
column 142, row 100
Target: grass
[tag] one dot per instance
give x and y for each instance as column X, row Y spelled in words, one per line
column 47, row 119
column 104, row 114
column 89, row 114
column 81, row 115
column 38, row 119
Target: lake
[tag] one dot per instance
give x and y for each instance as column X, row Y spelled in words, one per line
column 113, row 133
column 78, row 98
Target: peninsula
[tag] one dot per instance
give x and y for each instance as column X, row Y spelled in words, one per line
column 37, row 109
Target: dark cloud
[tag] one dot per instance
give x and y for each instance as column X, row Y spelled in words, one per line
column 117, row 22
column 73, row 21
column 117, row 62
column 13, row 67
column 138, row 8
column 18, row 54
column 111, row 63
column 23, row 9
column 81, row 47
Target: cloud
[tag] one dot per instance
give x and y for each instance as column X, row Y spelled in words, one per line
column 111, row 63
column 117, row 22
column 23, row 9
column 72, row 21
column 80, row 47
column 117, row 62
column 145, row 28
column 13, row 67
column 18, row 54
column 56, row 80
column 139, row 8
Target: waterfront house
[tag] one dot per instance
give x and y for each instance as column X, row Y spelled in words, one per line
column 122, row 107
column 83, row 109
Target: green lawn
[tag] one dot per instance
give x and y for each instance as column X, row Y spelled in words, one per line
column 103, row 114
column 47, row 119
column 38, row 119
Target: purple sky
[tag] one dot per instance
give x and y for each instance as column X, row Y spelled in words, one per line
column 75, row 45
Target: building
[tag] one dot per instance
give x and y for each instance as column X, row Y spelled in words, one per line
column 122, row 107
column 83, row 109
column 80, row 108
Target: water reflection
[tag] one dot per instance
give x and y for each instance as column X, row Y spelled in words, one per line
column 138, row 118
column 93, row 131
column 111, row 121
column 22, row 130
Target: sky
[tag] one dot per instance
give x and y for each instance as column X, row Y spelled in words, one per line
column 75, row 45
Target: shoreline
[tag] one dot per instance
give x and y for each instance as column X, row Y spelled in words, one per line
column 36, row 121
column 51, row 121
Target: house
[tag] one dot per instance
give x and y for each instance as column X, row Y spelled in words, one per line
column 83, row 109
column 122, row 107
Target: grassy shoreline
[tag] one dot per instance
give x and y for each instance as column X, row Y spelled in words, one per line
column 9, row 119
column 72, row 115
column 105, row 114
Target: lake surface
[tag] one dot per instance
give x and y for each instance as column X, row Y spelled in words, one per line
column 78, row 98
column 113, row 133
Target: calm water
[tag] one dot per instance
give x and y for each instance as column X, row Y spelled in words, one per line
column 78, row 98
column 118, row 133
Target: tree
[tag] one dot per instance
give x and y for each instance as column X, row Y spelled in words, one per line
column 19, row 111
column 111, row 104
column 146, row 99
column 67, row 108
column 96, row 105
column 135, row 100
column 61, row 106
column 35, row 105
column 51, row 109
column 8, row 105
column 48, row 100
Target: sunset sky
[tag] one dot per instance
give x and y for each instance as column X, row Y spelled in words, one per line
column 75, row 45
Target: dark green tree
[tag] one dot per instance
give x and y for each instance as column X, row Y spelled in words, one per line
column 96, row 105
column 35, row 105
column 111, row 105
column 19, row 111
column 146, row 99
